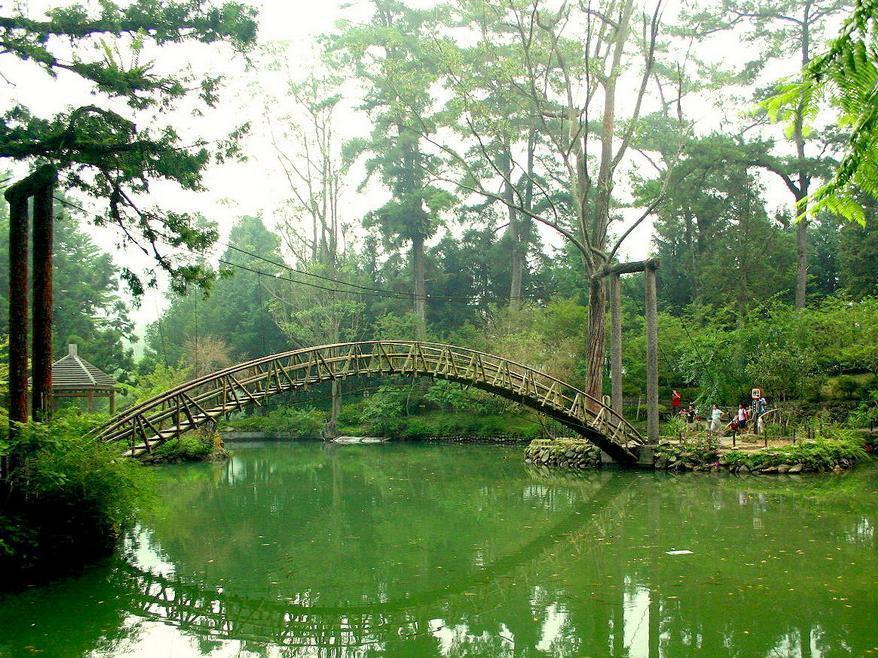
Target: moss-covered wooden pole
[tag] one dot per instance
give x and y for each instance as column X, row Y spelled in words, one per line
column 652, row 413
column 18, row 304
column 38, row 185
column 616, row 354
column 43, row 228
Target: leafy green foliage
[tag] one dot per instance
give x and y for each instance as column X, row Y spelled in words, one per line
column 115, row 147
column 866, row 412
column 789, row 353
column 444, row 409
column 236, row 309
column 198, row 445
column 150, row 384
column 386, row 53
column 713, row 220
column 306, row 423
column 848, row 73
column 858, row 254
column 385, row 409
column 67, row 496
column 675, row 427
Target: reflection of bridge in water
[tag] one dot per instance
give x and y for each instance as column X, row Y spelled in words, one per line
column 206, row 399
column 209, row 610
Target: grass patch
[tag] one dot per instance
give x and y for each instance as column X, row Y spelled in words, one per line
column 822, row 454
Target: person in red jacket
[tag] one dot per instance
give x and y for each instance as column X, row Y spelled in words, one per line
column 675, row 402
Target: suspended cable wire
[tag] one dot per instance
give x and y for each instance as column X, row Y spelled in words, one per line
column 400, row 294
column 316, row 276
column 307, row 284
column 358, row 289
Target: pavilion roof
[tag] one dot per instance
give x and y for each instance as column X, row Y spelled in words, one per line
column 73, row 373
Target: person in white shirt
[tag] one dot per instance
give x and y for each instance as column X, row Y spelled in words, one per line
column 716, row 415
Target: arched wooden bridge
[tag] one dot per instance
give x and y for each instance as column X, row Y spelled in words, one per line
column 206, row 399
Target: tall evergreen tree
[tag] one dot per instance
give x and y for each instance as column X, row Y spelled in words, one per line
column 386, row 54
column 781, row 29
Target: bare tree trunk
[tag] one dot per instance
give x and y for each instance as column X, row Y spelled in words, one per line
column 517, row 264
column 514, row 231
column 419, row 274
column 517, row 259
column 804, row 177
column 802, row 269
column 522, row 224
column 596, row 339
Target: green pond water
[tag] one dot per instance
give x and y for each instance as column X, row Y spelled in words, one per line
column 301, row 549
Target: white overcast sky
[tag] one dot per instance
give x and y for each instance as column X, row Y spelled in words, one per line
column 256, row 186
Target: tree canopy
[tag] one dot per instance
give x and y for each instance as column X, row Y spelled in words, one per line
column 112, row 149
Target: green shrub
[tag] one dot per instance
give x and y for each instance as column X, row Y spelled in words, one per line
column 198, row 445
column 772, row 430
column 452, row 396
column 298, row 423
column 66, row 497
column 439, row 424
column 384, row 410
column 675, row 427
column 866, row 412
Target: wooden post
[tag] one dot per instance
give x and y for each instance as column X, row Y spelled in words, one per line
column 43, row 226
column 90, row 396
column 113, row 406
column 616, row 355
column 18, row 305
column 39, row 185
column 652, row 414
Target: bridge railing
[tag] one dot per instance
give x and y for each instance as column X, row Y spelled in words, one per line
column 207, row 398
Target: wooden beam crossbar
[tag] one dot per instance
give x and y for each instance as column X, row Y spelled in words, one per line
column 245, row 390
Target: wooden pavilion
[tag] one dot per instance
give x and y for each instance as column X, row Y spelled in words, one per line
column 74, row 377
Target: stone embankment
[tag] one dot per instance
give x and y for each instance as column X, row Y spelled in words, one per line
column 563, row 453
column 703, row 454
column 820, row 455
